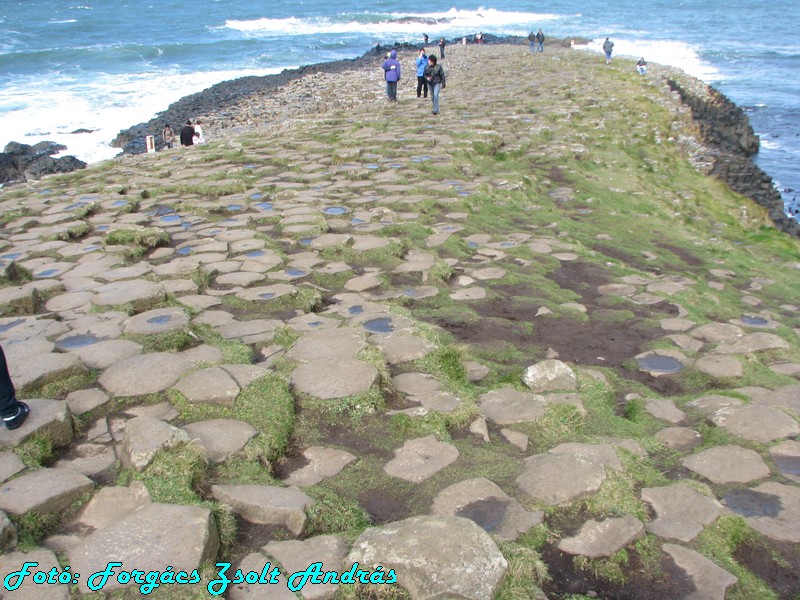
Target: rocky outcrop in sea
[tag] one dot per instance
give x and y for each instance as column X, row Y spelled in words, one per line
column 20, row 162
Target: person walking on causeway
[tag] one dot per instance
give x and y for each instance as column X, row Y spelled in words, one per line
column 608, row 47
column 13, row 412
column 391, row 71
column 422, row 83
column 442, row 44
column 540, row 40
column 436, row 81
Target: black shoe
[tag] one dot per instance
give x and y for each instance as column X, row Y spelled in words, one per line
column 18, row 419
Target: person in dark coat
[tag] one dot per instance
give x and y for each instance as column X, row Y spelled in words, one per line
column 442, row 44
column 436, row 81
column 13, row 412
column 540, row 40
column 608, row 47
column 187, row 134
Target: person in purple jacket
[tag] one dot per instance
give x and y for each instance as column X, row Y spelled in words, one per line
column 391, row 70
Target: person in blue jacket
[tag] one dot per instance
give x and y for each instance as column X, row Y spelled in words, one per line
column 422, row 83
column 391, row 71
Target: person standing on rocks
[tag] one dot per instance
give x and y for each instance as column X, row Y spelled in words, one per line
column 391, row 71
column 532, row 40
column 608, row 47
column 442, row 44
column 187, row 135
column 168, row 136
column 13, row 412
column 540, row 40
column 425, row 38
column 434, row 73
column 422, row 83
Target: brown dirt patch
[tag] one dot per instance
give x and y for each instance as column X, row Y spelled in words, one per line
column 684, row 255
column 778, row 565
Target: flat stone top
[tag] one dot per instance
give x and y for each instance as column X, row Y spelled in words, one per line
column 329, row 378
column 727, row 464
column 681, row 511
column 507, row 406
column 598, row 539
column 44, row 491
column 327, row 344
column 756, row 423
column 144, row 374
column 556, row 479
column 417, row 460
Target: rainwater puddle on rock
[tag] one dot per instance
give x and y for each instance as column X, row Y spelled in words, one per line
column 396, row 165
column 119, row 203
column 750, row 503
column 306, row 241
column 450, row 228
column 235, row 207
column 356, row 221
column 315, row 323
column 507, row 244
column 263, row 205
column 295, row 272
column 419, row 159
column 103, row 228
column 379, row 325
column 660, row 364
column 788, row 465
column 171, row 218
column 266, row 295
column 255, row 196
column 372, row 167
column 754, row 321
column 584, row 211
column 410, row 293
column 186, row 250
column 251, row 166
column 356, row 310
column 472, row 244
column 78, row 341
column 46, row 274
column 335, row 210
column 488, row 512
column 76, row 205
column 159, row 320
column 464, row 194
column 11, row 325
column 12, row 256
column 255, row 254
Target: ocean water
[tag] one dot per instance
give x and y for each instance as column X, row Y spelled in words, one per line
column 104, row 65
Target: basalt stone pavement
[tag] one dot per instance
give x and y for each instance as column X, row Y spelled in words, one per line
column 161, row 306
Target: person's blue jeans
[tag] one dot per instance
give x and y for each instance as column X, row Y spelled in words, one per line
column 391, row 90
column 435, row 88
column 532, row 50
column 541, row 46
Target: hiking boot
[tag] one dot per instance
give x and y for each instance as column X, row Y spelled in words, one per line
column 14, row 421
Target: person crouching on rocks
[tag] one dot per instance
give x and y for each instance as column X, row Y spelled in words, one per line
column 187, row 135
column 391, row 71
column 422, row 83
column 641, row 66
column 436, row 81
column 13, row 412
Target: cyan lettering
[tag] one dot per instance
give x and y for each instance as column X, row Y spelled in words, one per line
column 218, row 586
column 103, row 575
column 20, row 576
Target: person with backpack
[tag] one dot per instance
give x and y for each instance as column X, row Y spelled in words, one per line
column 434, row 73
column 422, row 83
column 608, row 46
column 391, row 72
column 540, row 40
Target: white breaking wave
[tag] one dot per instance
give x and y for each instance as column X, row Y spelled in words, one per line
column 665, row 52
column 104, row 107
column 408, row 24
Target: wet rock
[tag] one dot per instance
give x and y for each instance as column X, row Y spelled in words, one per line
column 786, row 457
column 773, row 509
column 710, row 581
column 482, row 501
column 428, row 555
column 681, row 511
